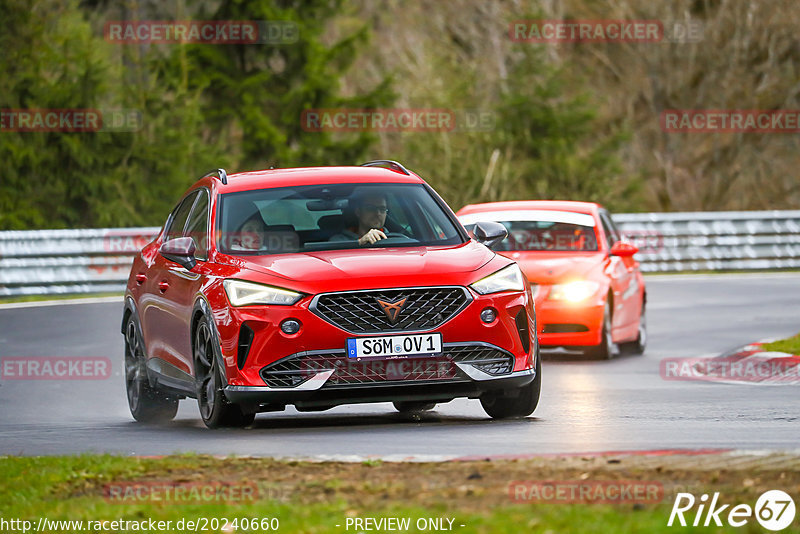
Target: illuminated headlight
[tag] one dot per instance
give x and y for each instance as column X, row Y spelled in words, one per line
column 506, row 279
column 574, row 291
column 242, row 293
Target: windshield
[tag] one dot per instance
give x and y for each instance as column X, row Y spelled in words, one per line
column 544, row 231
column 330, row 217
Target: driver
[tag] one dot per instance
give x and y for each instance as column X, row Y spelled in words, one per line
column 370, row 210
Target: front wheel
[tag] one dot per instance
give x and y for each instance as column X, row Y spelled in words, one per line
column 215, row 409
column 638, row 345
column 607, row 349
column 147, row 404
column 523, row 404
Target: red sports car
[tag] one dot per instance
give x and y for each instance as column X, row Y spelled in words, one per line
column 588, row 290
column 321, row 286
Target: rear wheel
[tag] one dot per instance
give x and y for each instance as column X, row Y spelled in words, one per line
column 499, row 406
column 147, row 404
column 215, row 409
column 414, row 406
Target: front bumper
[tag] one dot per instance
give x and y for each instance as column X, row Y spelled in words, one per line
column 312, row 395
column 268, row 344
column 560, row 323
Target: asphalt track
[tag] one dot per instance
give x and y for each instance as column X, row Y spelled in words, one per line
column 586, row 406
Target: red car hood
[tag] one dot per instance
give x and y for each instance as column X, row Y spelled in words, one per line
column 335, row 270
column 556, row 267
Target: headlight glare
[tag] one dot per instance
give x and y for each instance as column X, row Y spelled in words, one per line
column 242, row 293
column 506, row 279
column 576, row 291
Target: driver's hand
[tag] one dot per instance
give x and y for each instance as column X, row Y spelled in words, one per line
column 371, row 237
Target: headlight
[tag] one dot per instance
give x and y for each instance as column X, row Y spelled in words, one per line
column 574, row 291
column 242, row 293
column 506, row 279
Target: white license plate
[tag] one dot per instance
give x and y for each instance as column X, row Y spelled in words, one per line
column 394, row 346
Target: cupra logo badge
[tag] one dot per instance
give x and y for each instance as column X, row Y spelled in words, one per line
column 392, row 309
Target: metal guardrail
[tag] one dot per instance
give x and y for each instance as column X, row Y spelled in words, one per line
column 714, row 241
column 50, row 262
column 47, row 262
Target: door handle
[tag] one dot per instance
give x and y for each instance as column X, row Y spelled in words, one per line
column 141, row 278
column 163, row 286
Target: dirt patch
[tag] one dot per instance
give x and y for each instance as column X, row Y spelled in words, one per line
column 470, row 484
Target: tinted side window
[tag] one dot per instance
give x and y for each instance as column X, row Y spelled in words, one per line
column 179, row 216
column 197, row 227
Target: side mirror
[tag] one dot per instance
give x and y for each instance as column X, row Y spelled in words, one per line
column 623, row 249
column 489, row 233
column 180, row 250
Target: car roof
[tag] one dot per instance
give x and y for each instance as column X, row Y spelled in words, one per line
column 245, row 181
column 590, row 208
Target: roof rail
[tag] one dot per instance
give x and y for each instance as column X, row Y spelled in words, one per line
column 223, row 176
column 388, row 164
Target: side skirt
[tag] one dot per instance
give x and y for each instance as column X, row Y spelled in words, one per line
column 163, row 375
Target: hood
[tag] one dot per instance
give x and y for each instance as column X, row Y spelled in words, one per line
column 363, row 269
column 556, row 267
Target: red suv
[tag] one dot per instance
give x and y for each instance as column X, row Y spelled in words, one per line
column 323, row 286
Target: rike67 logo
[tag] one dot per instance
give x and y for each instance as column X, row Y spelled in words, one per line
column 774, row 511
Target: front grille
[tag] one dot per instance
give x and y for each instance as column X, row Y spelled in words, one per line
column 486, row 358
column 360, row 313
column 296, row 369
column 564, row 328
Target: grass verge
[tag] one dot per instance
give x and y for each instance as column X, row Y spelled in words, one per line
column 789, row 345
column 474, row 496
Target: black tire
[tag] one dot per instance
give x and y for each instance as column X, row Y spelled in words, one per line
column 215, row 409
column 640, row 343
column 498, row 406
column 147, row 404
column 607, row 349
column 413, row 406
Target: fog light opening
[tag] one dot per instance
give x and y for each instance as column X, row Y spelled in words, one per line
column 290, row 326
column 488, row 315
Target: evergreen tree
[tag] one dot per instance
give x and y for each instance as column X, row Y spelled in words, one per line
column 257, row 93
